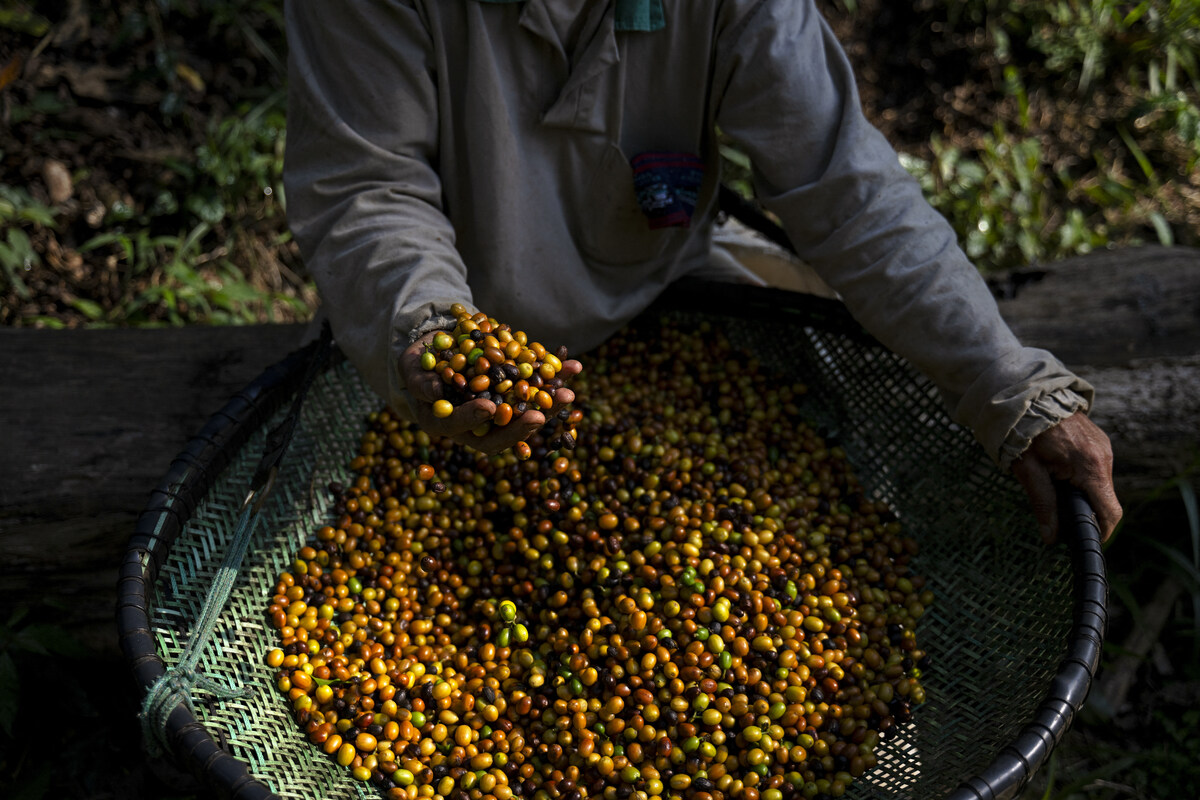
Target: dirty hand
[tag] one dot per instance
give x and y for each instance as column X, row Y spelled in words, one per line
column 1078, row 452
column 426, row 387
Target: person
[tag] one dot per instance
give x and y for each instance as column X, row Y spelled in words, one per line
column 556, row 163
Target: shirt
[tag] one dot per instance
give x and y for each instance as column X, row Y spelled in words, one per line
column 443, row 151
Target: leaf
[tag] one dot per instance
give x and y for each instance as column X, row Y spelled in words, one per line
column 1136, row 13
column 11, row 71
column 190, row 77
column 21, row 244
column 16, row 204
column 735, row 156
column 89, row 308
column 328, row 681
column 17, row 254
column 1162, row 229
column 38, row 215
column 1190, row 571
column 14, row 279
column 110, row 238
column 1188, row 493
column 18, row 614
column 49, row 639
column 1128, row 599
column 33, row 787
column 1138, row 154
column 193, row 237
column 265, row 50
column 24, row 21
column 10, row 693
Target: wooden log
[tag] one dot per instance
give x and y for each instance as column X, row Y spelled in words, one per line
column 1110, row 308
column 91, row 420
column 1150, row 408
column 1128, row 321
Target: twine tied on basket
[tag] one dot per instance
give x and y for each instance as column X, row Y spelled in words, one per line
column 176, row 685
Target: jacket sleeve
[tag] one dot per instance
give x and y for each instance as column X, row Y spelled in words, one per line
column 363, row 199
column 785, row 93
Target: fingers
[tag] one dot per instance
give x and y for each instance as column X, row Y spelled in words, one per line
column 1077, row 451
column 1105, row 504
column 500, row 439
column 423, row 385
column 410, row 359
column 1032, row 474
column 1094, row 477
column 562, row 397
column 460, row 424
column 570, row 368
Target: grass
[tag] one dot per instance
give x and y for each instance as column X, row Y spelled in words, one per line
column 1000, row 200
column 1064, row 126
column 17, row 255
column 177, row 210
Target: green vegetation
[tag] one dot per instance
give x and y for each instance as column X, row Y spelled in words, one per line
column 1129, row 75
column 1001, row 202
column 140, row 174
column 1063, row 127
column 17, row 254
column 35, row 654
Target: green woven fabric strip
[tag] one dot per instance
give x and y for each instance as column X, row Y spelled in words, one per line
column 640, row 15
column 631, row 15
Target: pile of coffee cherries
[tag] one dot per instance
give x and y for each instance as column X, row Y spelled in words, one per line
column 483, row 358
column 698, row 601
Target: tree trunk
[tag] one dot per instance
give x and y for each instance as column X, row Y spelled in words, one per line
column 91, row 420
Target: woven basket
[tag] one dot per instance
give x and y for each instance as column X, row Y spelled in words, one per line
column 1014, row 634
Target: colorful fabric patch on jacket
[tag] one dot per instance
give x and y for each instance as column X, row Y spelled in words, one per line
column 666, row 185
column 629, row 15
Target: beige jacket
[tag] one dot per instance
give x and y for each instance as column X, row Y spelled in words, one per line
column 443, row 151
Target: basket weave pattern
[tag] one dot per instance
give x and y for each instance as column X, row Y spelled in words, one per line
column 996, row 634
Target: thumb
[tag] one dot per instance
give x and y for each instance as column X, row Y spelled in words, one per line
column 1032, row 474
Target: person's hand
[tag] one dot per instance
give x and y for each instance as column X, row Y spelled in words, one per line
column 426, row 387
column 1078, row 452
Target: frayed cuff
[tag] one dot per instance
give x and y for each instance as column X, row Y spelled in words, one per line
column 1042, row 415
column 398, row 397
column 437, row 322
